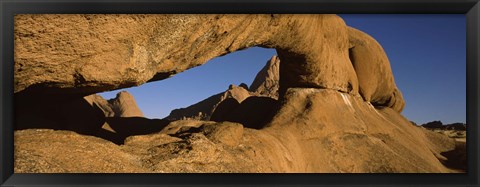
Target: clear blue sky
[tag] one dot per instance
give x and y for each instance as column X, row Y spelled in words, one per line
column 427, row 54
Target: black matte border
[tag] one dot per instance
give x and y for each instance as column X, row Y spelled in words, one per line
column 8, row 8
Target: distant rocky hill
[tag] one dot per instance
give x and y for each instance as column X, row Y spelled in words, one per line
column 123, row 105
column 265, row 84
column 439, row 125
column 266, row 81
column 204, row 109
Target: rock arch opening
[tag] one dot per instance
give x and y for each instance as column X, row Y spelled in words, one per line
column 118, row 117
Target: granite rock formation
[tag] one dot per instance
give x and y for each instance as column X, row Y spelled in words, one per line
column 266, row 81
column 124, row 105
column 360, row 139
column 375, row 77
column 134, row 49
column 203, row 110
column 338, row 105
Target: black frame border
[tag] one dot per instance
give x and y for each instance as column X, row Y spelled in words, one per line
column 8, row 8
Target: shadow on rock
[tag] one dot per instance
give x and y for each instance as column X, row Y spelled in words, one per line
column 457, row 158
column 254, row 112
column 136, row 125
column 36, row 110
column 57, row 111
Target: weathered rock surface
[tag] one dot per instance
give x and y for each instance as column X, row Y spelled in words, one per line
column 49, row 151
column 133, row 49
column 266, row 81
column 375, row 77
column 352, row 140
column 313, row 137
column 203, row 110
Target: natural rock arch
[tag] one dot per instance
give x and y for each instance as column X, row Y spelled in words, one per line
column 93, row 53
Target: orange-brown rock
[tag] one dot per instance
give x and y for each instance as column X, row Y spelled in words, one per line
column 101, row 103
column 361, row 138
column 266, row 81
column 49, row 151
column 67, row 51
column 124, row 105
column 307, row 134
column 375, row 77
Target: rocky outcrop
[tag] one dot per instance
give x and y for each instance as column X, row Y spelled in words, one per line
column 266, row 81
column 203, row 110
column 124, row 105
column 306, row 135
column 351, row 139
column 375, row 77
column 49, row 151
column 103, row 104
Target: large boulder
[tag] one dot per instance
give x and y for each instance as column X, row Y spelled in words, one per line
column 361, row 138
column 375, row 77
column 124, row 105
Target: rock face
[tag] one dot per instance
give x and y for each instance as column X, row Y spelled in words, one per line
column 49, row 151
column 133, row 49
column 124, row 105
column 314, row 50
column 338, row 108
column 373, row 71
column 204, row 109
column 266, row 81
column 351, row 141
column 103, row 104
